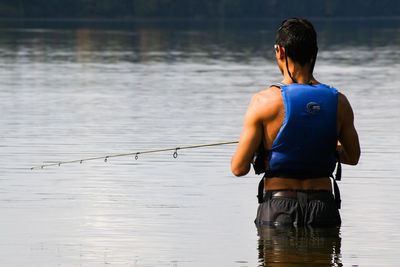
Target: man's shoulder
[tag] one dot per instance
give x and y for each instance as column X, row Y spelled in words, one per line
column 272, row 93
column 344, row 106
column 342, row 99
column 268, row 100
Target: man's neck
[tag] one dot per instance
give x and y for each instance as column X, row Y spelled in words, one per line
column 300, row 74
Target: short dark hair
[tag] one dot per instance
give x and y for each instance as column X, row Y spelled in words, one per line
column 299, row 38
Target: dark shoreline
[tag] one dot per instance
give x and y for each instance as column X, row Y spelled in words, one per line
column 201, row 19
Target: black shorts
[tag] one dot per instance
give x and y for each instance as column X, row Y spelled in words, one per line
column 296, row 208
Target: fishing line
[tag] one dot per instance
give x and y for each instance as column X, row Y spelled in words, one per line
column 135, row 154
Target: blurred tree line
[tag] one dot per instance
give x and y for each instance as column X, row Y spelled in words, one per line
column 196, row 8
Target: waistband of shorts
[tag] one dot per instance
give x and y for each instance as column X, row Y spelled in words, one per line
column 310, row 194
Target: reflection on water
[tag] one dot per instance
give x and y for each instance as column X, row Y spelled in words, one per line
column 172, row 41
column 284, row 247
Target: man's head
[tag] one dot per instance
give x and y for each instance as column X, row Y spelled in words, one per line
column 298, row 37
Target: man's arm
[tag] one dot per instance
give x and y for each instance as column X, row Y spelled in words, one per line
column 250, row 138
column 349, row 146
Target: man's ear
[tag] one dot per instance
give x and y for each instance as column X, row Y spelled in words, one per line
column 281, row 52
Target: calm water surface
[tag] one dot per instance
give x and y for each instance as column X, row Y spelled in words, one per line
column 81, row 89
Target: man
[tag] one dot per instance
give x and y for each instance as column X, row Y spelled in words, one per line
column 303, row 128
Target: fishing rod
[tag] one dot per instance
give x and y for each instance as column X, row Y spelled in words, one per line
column 136, row 154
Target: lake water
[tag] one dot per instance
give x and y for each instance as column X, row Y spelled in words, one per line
column 79, row 89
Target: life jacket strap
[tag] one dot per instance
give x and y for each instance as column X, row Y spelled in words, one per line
column 336, row 192
column 338, row 177
column 279, row 85
column 260, row 195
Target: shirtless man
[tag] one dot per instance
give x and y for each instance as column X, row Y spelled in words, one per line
column 304, row 127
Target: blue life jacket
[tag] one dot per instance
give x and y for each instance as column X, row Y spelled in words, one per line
column 306, row 143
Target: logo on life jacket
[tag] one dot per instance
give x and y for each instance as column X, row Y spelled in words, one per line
column 313, row 108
